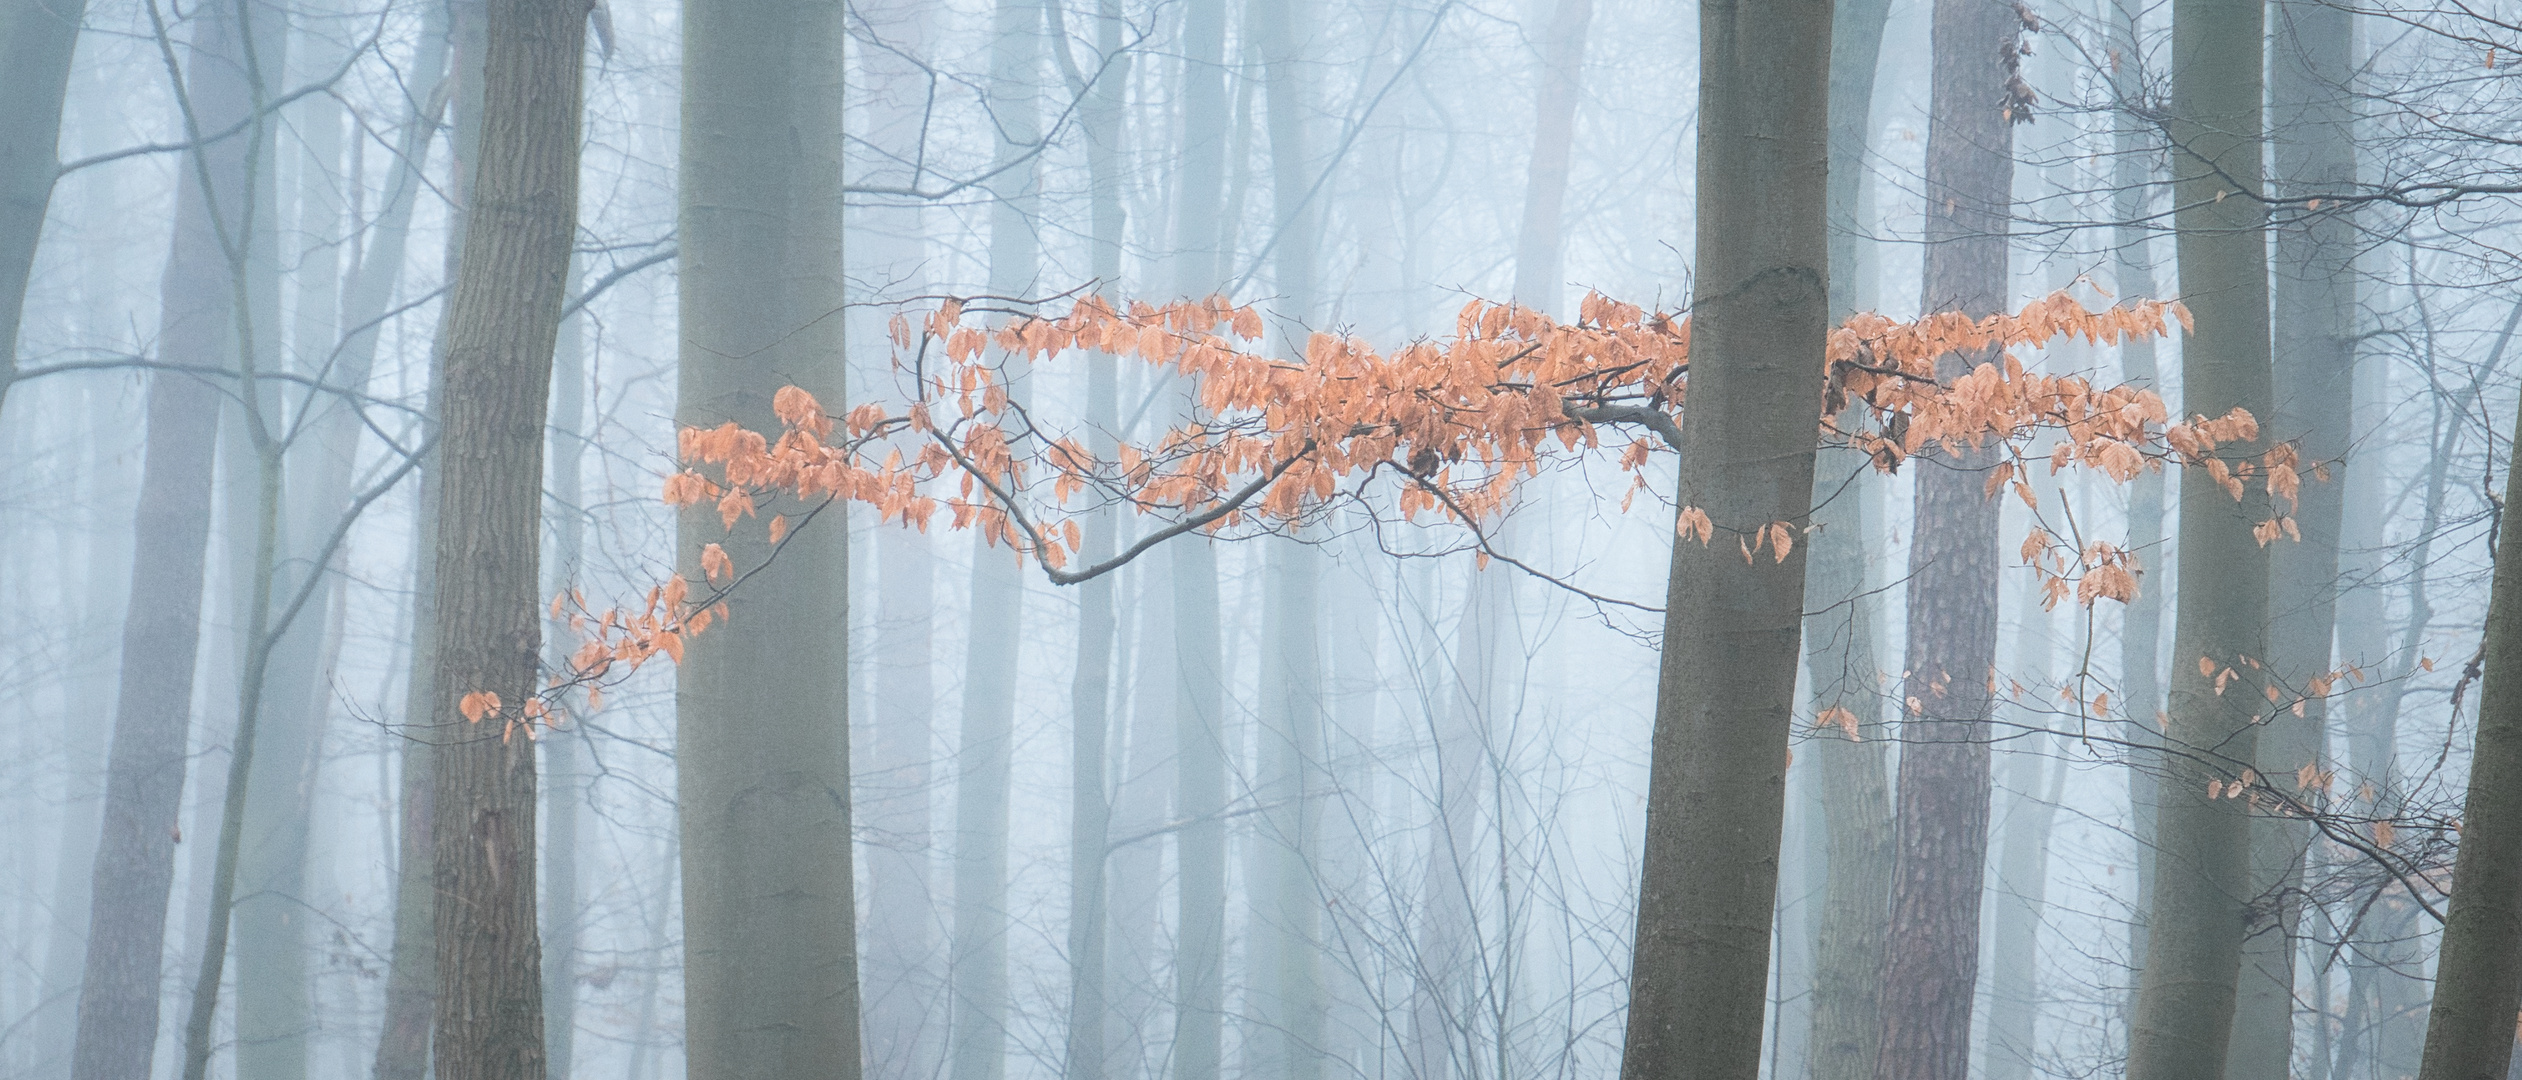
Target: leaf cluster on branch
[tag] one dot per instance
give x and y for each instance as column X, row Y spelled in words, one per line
column 1436, row 427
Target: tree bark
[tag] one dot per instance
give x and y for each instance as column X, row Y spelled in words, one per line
column 135, row 865
column 2185, row 996
column 502, row 322
column 761, row 708
column 1931, row 965
column 1726, row 691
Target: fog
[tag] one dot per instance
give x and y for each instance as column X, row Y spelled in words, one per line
column 1353, row 781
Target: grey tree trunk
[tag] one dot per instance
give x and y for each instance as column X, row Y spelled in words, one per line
column 1199, row 691
column 2314, row 293
column 564, row 749
column 903, row 963
column 2478, row 975
column 1726, row 690
column 119, row 994
column 412, row 974
column 1541, row 245
column 1931, row 966
column 1090, row 752
column 979, row 960
column 2185, row 996
column 761, row 707
column 503, row 318
column 37, row 39
column 1852, row 769
column 2141, row 624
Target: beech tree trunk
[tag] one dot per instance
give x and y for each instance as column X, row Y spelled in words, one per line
column 2314, row 293
column 1090, row 751
column 2478, row 974
column 2141, row 623
column 1852, row 770
column 1541, row 245
column 761, row 706
column 411, row 982
column 37, row 39
column 2185, row 996
column 135, row 864
column 1199, row 692
column 1931, row 966
column 1726, row 691
column 502, row 321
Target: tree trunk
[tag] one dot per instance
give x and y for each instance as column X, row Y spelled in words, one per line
column 1726, row 690
column 37, row 39
column 2185, row 996
column 2314, row 293
column 761, row 709
column 1090, row 803
column 502, row 321
column 411, row 986
column 565, row 750
column 1852, row 773
column 1199, row 690
column 2478, row 974
column 135, row 864
column 996, row 628
column 2141, row 623
column 1541, row 245
column 1931, row 966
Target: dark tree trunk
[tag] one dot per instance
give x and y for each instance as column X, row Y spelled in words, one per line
column 1726, row 691
column 37, row 39
column 1932, row 963
column 502, row 321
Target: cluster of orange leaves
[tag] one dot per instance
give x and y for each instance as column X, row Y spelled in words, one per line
column 1454, row 423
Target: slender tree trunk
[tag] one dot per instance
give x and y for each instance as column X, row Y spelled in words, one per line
column 565, row 751
column 412, row 974
column 37, row 38
column 2141, row 624
column 2185, row 996
column 1932, row 964
column 1199, row 674
column 2478, row 975
column 2012, row 1050
column 1090, row 752
column 1726, row 690
column 903, row 966
column 1852, row 772
column 762, row 731
column 1541, row 245
column 119, row 995
column 2314, row 294
column 982, row 759
column 502, row 321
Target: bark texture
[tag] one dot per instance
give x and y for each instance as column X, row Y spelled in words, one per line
column 761, row 706
column 1726, row 689
column 502, row 321
column 1932, row 962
